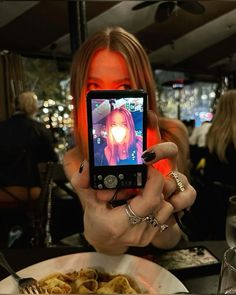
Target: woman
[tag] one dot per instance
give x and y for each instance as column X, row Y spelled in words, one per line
column 114, row 59
column 221, row 141
column 215, row 182
column 123, row 146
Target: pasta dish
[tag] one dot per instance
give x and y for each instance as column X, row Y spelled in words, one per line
column 88, row 280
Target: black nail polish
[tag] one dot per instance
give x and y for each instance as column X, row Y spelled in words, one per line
column 81, row 167
column 149, row 156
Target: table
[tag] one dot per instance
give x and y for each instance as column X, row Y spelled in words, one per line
column 205, row 283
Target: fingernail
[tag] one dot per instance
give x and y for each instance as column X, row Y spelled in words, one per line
column 149, row 156
column 81, row 167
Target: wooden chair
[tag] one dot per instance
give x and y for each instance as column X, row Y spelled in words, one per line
column 25, row 208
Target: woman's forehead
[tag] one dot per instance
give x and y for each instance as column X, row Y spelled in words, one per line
column 117, row 116
column 105, row 61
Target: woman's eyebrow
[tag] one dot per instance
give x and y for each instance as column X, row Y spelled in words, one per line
column 94, row 79
column 117, row 81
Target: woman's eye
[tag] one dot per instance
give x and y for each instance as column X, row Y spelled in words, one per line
column 123, row 125
column 127, row 86
column 92, row 86
column 124, row 87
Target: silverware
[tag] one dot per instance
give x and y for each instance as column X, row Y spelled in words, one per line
column 25, row 285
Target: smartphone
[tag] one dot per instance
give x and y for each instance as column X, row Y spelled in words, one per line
column 117, row 138
column 197, row 259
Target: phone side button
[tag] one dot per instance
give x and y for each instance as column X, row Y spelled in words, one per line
column 139, row 178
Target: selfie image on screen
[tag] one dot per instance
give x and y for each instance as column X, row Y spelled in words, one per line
column 117, row 131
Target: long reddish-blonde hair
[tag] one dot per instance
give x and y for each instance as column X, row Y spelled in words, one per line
column 119, row 40
column 114, row 39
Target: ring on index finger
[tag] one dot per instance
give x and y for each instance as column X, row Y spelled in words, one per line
column 175, row 176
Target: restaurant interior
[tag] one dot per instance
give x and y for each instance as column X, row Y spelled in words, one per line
column 199, row 50
column 192, row 49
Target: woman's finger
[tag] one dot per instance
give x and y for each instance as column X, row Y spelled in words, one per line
column 162, row 156
column 183, row 200
column 180, row 195
column 165, row 163
column 164, row 213
column 171, row 186
column 151, row 197
column 160, row 151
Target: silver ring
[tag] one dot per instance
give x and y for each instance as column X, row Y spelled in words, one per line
column 150, row 219
column 154, row 222
column 179, row 183
column 133, row 218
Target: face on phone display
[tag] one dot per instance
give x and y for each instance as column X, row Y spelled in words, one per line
column 117, row 130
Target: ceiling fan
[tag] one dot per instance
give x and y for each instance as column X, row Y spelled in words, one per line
column 165, row 8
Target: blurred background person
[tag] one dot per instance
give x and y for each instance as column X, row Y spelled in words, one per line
column 198, row 136
column 190, row 124
column 215, row 181
column 25, row 143
column 197, row 142
column 221, row 142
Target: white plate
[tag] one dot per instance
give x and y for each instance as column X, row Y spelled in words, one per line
column 149, row 275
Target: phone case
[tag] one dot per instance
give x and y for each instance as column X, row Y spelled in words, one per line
column 117, row 125
column 189, row 260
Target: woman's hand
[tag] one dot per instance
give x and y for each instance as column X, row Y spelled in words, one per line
column 109, row 229
column 177, row 191
column 179, row 198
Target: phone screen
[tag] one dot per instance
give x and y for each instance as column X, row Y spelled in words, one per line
column 117, row 122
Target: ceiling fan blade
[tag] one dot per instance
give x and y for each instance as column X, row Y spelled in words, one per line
column 143, row 4
column 163, row 11
column 193, row 7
